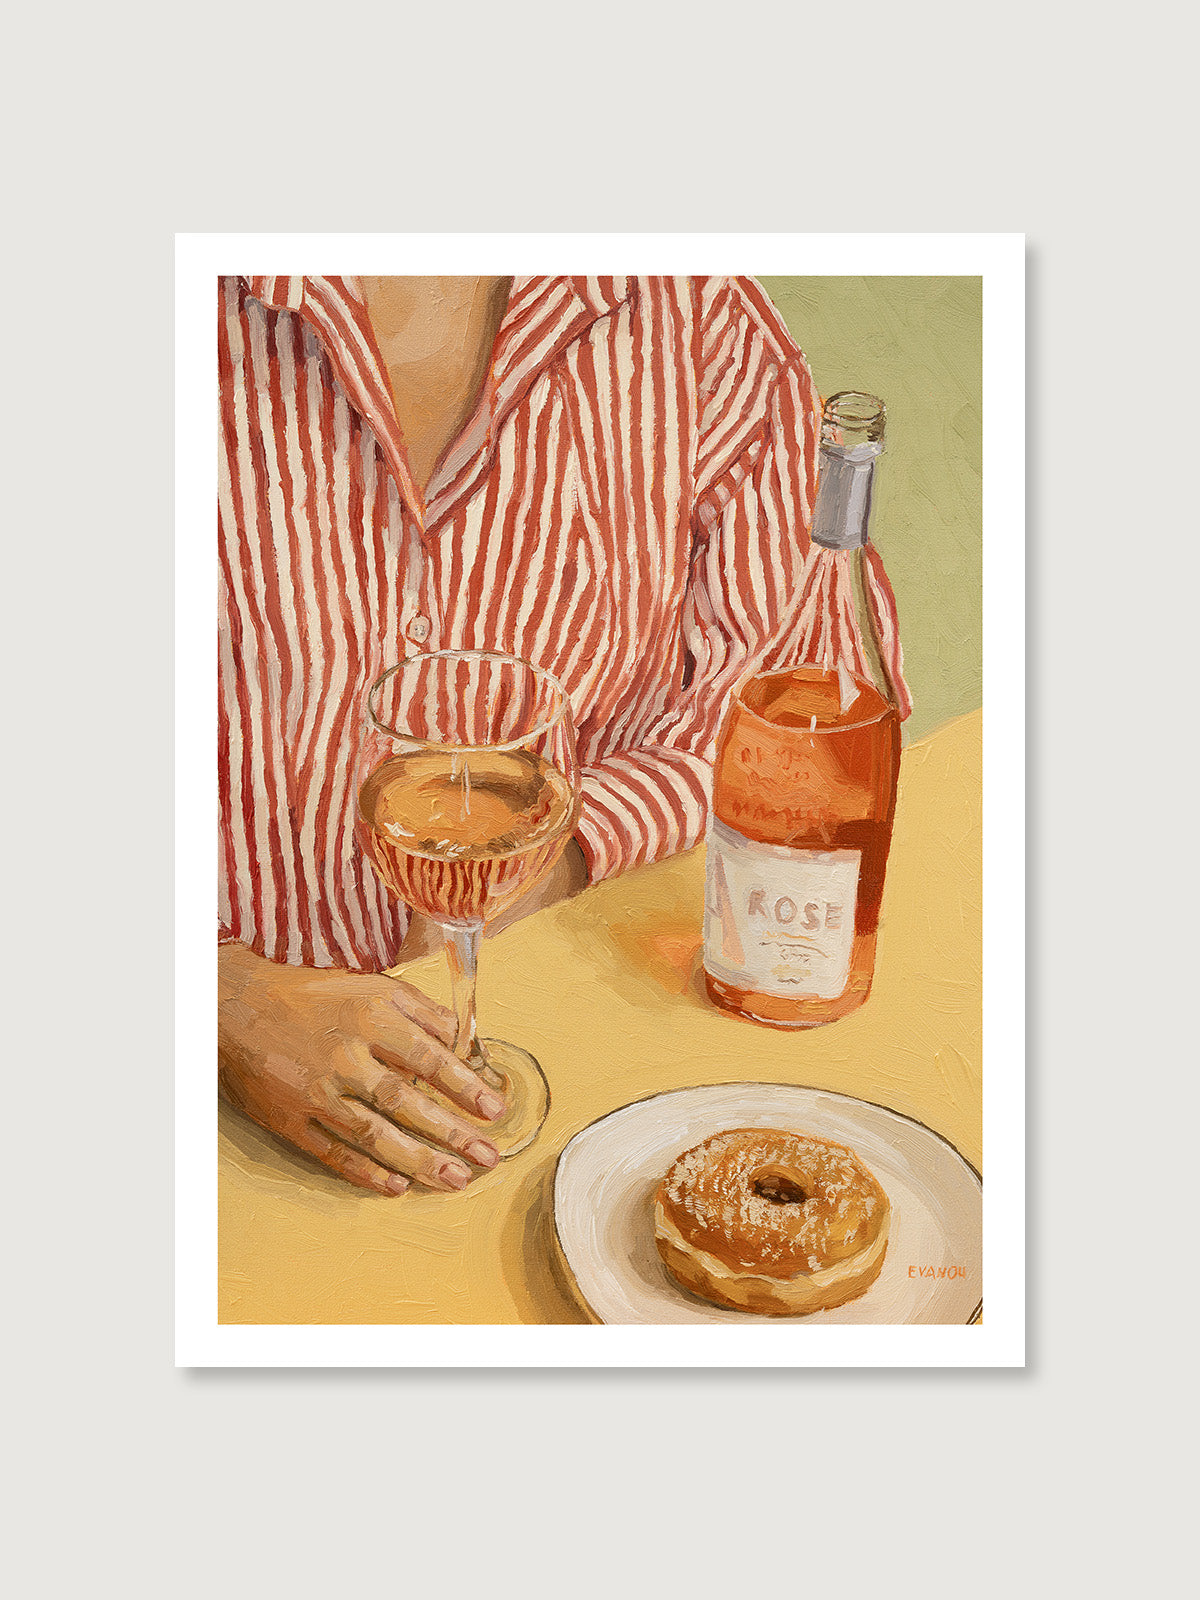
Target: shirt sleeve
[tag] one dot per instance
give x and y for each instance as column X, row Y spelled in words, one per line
column 750, row 542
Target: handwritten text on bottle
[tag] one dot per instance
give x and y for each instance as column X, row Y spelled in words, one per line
column 777, row 920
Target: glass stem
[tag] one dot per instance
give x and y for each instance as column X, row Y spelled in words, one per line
column 462, row 952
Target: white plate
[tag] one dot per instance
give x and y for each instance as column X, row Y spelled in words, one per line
column 607, row 1176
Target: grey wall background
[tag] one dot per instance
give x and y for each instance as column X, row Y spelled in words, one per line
column 257, row 1483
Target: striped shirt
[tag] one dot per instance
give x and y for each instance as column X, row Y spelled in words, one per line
column 628, row 506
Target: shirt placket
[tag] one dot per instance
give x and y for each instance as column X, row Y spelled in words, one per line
column 420, row 621
column 364, row 381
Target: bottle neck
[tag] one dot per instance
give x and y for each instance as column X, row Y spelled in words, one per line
column 843, row 508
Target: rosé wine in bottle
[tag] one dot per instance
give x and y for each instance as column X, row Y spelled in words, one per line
column 804, row 785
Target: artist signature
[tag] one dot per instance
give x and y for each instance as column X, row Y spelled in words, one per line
column 937, row 1272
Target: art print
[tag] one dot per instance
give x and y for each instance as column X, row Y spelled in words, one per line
column 599, row 739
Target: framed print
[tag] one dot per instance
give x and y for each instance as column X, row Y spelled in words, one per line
column 619, row 952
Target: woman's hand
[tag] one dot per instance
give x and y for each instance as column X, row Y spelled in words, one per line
column 332, row 1061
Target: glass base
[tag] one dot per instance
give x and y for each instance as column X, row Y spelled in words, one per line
column 515, row 1074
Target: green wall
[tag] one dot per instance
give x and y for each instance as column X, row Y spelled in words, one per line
column 917, row 343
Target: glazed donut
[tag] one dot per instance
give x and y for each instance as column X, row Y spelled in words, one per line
column 773, row 1222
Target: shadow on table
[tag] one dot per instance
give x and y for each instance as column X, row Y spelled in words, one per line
column 643, row 952
column 276, row 1167
column 546, row 1293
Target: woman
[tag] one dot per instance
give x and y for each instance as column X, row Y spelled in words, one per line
column 612, row 477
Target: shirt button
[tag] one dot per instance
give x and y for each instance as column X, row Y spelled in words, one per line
column 418, row 630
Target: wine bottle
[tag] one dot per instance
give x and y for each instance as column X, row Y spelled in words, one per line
column 804, row 783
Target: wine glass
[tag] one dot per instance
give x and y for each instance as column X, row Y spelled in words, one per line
column 468, row 791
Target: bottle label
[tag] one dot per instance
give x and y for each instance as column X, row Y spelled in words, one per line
column 777, row 920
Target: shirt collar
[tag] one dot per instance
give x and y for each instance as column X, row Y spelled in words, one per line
column 543, row 316
column 333, row 309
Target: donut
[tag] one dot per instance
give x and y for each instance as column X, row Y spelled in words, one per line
column 778, row 1223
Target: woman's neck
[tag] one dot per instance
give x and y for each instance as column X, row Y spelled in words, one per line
column 435, row 336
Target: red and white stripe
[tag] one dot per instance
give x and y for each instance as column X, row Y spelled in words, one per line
column 628, row 507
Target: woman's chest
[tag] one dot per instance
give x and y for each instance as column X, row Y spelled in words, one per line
column 564, row 539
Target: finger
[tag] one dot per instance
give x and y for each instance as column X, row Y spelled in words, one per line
column 388, row 995
column 399, row 1042
column 347, row 1163
column 390, row 1093
column 381, row 1139
column 434, row 1018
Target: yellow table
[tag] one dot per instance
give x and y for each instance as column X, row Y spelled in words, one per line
column 604, row 990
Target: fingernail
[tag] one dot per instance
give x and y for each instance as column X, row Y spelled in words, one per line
column 490, row 1105
column 482, row 1153
column 457, row 1177
column 396, row 1184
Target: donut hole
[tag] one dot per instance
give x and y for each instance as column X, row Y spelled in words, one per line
column 779, row 1186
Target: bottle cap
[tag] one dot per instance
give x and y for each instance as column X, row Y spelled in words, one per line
column 851, row 437
column 852, row 419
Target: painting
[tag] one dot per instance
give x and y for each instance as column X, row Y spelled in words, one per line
column 602, row 865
